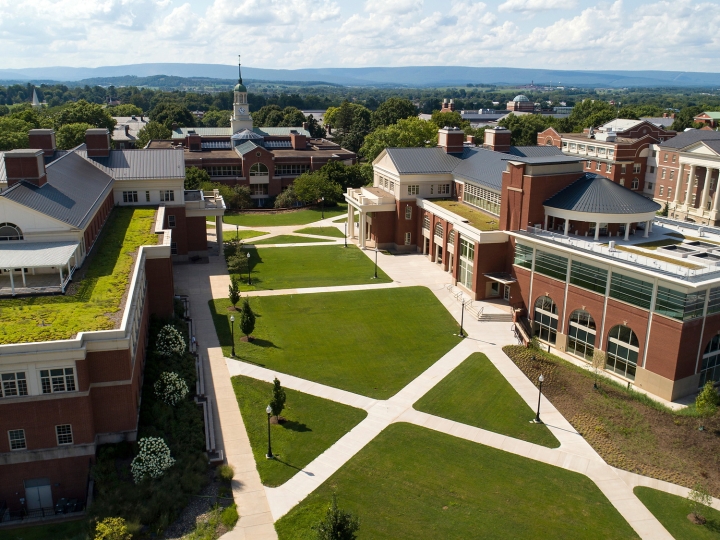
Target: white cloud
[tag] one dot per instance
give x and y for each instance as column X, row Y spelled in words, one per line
column 536, row 5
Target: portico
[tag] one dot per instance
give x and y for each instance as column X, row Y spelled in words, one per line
column 37, row 267
column 696, row 193
column 366, row 201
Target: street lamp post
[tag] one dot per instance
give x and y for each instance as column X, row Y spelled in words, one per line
column 237, row 232
column 346, row 234
column 269, row 454
column 462, row 318
column 322, row 207
column 537, row 416
column 376, row 252
column 249, row 278
column 232, row 325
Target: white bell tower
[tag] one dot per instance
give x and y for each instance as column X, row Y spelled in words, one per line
column 241, row 109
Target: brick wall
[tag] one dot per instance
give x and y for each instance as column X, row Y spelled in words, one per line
column 161, row 287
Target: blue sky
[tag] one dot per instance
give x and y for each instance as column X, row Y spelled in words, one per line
column 560, row 34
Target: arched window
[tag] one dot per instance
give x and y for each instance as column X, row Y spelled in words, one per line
column 258, row 170
column 548, row 142
column 438, row 229
column 622, row 351
column 545, row 319
column 710, row 370
column 635, row 183
column 581, row 335
column 10, row 231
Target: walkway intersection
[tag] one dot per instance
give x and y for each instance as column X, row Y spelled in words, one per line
column 260, row 506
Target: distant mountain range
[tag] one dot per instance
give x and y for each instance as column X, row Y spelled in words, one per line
column 417, row 76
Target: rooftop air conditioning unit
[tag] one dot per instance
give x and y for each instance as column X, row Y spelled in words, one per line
column 701, row 230
column 612, row 245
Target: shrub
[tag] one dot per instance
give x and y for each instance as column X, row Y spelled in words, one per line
column 229, row 516
column 230, row 248
column 247, row 318
column 278, row 398
column 152, row 460
column 238, row 264
column 234, row 293
column 170, row 342
column 225, row 473
column 337, row 524
column 171, row 388
column 112, row 529
column 706, row 402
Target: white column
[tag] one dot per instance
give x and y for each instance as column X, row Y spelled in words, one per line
column 627, row 231
column 647, row 229
column 61, row 276
column 597, row 231
column 678, row 187
column 567, row 226
column 351, row 220
column 12, row 283
column 706, row 189
column 716, row 200
column 219, row 232
column 546, row 221
column 362, row 229
column 691, row 181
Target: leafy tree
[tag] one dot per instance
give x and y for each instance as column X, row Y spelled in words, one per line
column 353, row 176
column 408, row 132
column 238, row 263
column 699, row 500
column 591, row 113
column 169, row 113
column 292, row 117
column 524, row 129
column 352, row 123
column 247, row 318
column 126, row 109
column 13, row 133
column 287, row 198
column 706, row 402
column 314, row 127
column 449, row 119
column 217, row 118
column 337, row 524
column 112, row 529
column 234, row 293
column 686, row 118
column 152, row 131
column 4, row 110
column 391, row 110
column 87, row 113
column 195, row 176
column 277, row 404
column 310, row 187
column 260, row 117
column 71, row 135
column 241, row 198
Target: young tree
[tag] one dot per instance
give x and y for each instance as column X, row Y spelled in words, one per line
column 152, row 131
column 247, row 318
column 195, row 176
column 71, row 135
column 449, row 119
column 314, row 127
column 277, row 404
column 337, row 524
column 699, row 500
column 234, row 294
column 706, row 402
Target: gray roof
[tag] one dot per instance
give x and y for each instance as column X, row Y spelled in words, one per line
column 661, row 121
column 246, row 134
column 73, row 188
column 596, row 194
column 280, row 131
column 482, row 166
column 686, row 138
column 247, row 146
column 3, row 172
column 181, row 132
column 535, row 151
column 36, row 254
column 423, row 160
column 140, row 164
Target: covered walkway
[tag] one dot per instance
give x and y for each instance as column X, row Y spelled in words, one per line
column 37, row 267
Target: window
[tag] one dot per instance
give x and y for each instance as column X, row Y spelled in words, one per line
column 564, row 143
column 57, row 380
column 551, row 265
column 13, row 384
column 408, row 238
column 291, row 169
column 482, row 198
column 439, row 230
column 652, row 169
column 581, row 335
column 601, row 151
column 669, row 192
column 636, row 168
column 466, row 261
column 573, row 146
column 714, row 301
column 679, row 305
column 413, row 190
column 588, row 277
column 225, row 170
column 649, row 186
column 581, row 147
column 611, row 152
column 173, row 248
column 588, row 164
column 171, row 221
column 64, row 434
column 432, row 189
column 654, row 153
column 674, row 157
column 10, row 231
column 631, row 290
column 17, row 439
column 622, row 351
column 259, row 169
column 167, row 195
column 147, row 196
column 665, row 157
column 426, row 222
column 694, row 198
column 591, row 149
column 597, row 166
column 408, row 212
column 662, row 175
column 608, row 167
column 130, row 196
column 523, row 256
column 443, row 189
column 259, row 190
column 451, row 237
column 623, row 168
column 635, row 183
column 672, row 175
column 622, row 181
column 545, row 319
column 710, row 369
column 661, row 191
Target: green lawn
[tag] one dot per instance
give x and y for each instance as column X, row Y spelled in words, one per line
column 349, row 340
column 43, row 318
column 323, row 231
column 309, row 266
column 414, row 483
column 313, row 425
column 71, row 530
column 289, row 239
column 475, row 393
column 672, row 510
column 242, row 235
column 297, row 217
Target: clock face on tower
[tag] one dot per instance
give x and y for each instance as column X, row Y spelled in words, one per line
column 241, row 110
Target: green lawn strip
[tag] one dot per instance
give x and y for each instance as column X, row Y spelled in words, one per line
column 71, row 530
column 658, row 243
column 296, row 217
column 312, row 426
column 477, row 394
column 692, row 238
column 99, row 293
column 309, row 266
column 243, row 235
column 678, row 262
column 414, row 483
column 672, row 511
column 289, row 239
column 350, row 340
column 344, row 219
column 322, row 231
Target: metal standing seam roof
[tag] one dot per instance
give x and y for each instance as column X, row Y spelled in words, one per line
column 423, row 160
column 140, row 164
column 181, row 133
column 686, row 138
column 73, row 188
column 484, row 167
column 247, row 146
column 246, row 134
column 596, row 194
column 712, row 114
column 536, row 151
column 36, row 254
column 3, row 172
column 280, row 131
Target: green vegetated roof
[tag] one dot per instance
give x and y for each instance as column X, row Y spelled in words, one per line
column 476, row 218
column 92, row 302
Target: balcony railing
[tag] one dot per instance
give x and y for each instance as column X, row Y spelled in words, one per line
column 364, row 199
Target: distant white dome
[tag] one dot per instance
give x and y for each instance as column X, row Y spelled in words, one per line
column 520, row 97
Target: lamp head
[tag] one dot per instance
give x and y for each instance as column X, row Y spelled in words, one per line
column 248, row 255
column 269, row 409
column 232, row 318
column 541, row 378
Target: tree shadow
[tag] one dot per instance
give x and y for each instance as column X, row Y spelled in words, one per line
column 292, row 466
column 264, row 343
column 713, row 525
column 295, row 426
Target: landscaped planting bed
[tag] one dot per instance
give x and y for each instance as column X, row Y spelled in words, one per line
column 629, row 430
column 414, row 483
column 93, row 301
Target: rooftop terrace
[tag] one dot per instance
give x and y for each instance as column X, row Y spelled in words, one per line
column 95, row 299
column 476, row 218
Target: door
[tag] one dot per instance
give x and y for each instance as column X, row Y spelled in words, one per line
column 38, row 494
column 506, row 293
column 438, row 255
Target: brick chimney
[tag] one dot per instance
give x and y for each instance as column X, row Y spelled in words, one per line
column 470, row 140
column 497, row 139
column 298, row 142
column 24, row 164
column 305, row 126
column 194, row 142
column 451, row 139
column 97, row 141
column 43, row 139
column 448, row 106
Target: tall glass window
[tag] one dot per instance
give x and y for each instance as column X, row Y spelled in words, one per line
column 465, row 266
column 482, row 198
column 631, row 290
column 545, row 319
column 523, row 256
column 581, row 335
column 551, row 265
column 679, row 305
column 710, row 370
column 714, row 301
column 588, row 277
column 622, row 351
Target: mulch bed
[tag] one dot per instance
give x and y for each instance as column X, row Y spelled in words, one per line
column 626, row 431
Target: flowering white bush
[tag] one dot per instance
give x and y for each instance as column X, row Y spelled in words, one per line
column 170, row 342
column 171, row 387
column 152, row 460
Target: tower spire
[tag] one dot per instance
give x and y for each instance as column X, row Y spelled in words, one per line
column 239, row 71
